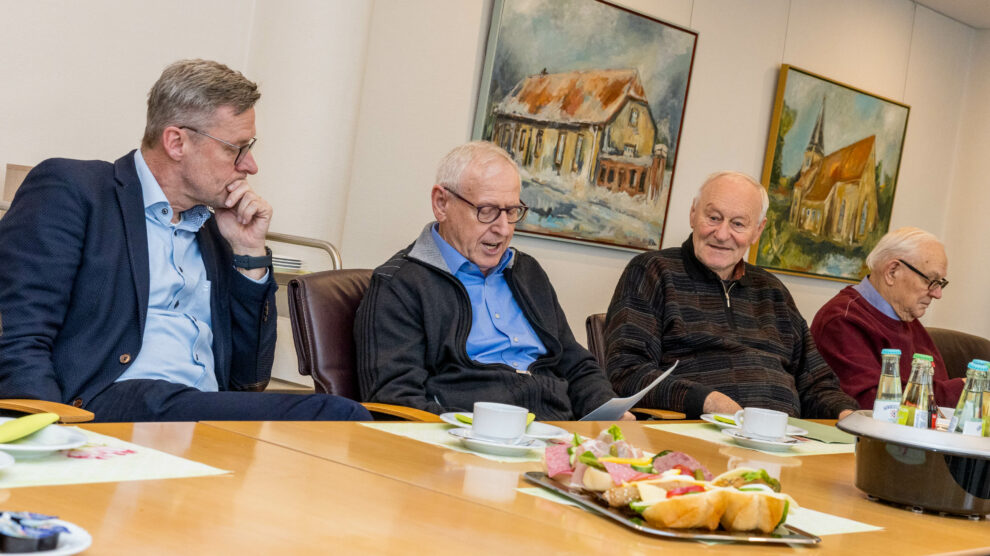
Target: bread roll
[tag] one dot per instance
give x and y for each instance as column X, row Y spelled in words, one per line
column 702, row 510
column 753, row 511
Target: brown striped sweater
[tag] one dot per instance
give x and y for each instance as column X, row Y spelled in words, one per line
column 744, row 338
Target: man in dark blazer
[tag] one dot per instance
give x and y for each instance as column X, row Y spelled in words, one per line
column 142, row 290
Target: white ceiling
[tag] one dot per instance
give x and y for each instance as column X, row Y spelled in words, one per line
column 975, row 13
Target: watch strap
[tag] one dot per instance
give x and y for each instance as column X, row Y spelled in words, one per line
column 248, row 262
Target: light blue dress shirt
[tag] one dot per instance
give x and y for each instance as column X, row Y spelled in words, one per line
column 500, row 332
column 178, row 335
column 873, row 297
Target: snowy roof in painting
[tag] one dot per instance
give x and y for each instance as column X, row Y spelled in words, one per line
column 574, row 97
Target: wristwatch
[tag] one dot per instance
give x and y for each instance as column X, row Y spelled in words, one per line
column 247, row 262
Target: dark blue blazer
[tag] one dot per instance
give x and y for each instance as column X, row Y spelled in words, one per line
column 74, row 287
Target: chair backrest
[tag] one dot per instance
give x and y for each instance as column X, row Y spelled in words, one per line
column 322, row 306
column 595, row 325
column 958, row 349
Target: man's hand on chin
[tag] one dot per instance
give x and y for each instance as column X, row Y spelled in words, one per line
column 243, row 222
column 717, row 402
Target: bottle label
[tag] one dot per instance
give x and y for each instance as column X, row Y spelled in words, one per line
column 886, row 411
column 973, row 428
column 920, row 419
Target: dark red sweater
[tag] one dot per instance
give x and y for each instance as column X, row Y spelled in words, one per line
column 850, row 334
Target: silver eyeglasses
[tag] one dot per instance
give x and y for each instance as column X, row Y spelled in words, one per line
column 241, row 150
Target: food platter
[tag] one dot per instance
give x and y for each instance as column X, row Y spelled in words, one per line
column 785, row 534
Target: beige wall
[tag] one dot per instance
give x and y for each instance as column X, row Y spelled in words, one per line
column 363, row 97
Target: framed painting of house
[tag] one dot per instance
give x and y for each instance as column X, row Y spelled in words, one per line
column 588, row 98
column 831, row 171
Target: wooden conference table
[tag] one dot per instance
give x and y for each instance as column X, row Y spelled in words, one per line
column 300, row 488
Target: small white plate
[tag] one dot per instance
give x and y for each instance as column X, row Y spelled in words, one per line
column 710, row 418
column 536, row 429
column 519, row 448
column 758, row 444
column 49, row 439
column 73, row 542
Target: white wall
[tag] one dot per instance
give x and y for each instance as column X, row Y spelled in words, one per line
column 361, row 98
column 75, row 75
column 968, row 215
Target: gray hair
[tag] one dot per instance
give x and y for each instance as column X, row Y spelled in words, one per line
column 190, row 91
column 454, row 163
column 764, row 198
column 898, row 244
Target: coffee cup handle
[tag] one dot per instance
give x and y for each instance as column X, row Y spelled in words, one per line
column 738, row 417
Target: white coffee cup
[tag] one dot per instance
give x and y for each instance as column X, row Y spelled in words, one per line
column 758, row 422
column 498, row 421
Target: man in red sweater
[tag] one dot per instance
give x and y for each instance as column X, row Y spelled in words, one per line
column 907, row 272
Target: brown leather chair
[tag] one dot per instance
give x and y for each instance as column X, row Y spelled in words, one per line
column 595, row 326
column 958, row 349
column 322, row 306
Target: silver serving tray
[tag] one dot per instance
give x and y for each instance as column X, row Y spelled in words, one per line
column 783, row 535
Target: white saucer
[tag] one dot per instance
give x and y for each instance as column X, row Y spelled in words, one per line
column 536, row 429
column 518, row 448
column 710, row 418
column 782, row 445
column 6, row 460
column 49, row 439
column 73, row 542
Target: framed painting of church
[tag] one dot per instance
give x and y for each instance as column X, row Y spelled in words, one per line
column 831, row 170
column 588, row 97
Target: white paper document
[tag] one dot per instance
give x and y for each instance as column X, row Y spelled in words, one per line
column 613, row 409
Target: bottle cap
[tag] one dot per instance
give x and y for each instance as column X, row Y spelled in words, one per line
column 890, row 351
column 924, row 357
column 976, row 365
column 982, row 362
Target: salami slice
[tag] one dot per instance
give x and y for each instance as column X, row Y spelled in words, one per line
column 667, row 462
column 622, row 473
column 558, row 461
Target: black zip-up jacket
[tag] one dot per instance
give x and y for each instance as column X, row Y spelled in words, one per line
column 412, row 327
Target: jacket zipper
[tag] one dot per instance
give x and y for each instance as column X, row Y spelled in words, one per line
column 728, row 303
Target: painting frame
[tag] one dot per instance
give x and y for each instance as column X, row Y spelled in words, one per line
column 599, row 191
column 831, row 201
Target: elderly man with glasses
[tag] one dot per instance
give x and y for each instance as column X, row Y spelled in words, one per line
column 459, row 316
column 907, row 272
column 142, row 289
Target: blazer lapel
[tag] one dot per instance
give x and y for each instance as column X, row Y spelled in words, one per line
column 131, row 201
column 207, row 238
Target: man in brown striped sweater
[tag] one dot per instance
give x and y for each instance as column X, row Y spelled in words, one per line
column 734, row 327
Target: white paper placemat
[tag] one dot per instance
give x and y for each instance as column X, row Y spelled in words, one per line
column 436, row 434
column 712, row 433
column 102, row 459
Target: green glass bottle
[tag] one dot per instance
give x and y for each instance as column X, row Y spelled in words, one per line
column 968, row 416
column 914, row 410
column 889, row 387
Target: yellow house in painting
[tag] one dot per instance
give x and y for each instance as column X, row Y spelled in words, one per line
column 592, row 126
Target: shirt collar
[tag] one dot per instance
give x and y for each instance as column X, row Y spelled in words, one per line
column 873, row 297
column 155, row 201
column 455, row 260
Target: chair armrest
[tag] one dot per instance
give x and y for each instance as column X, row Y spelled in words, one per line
column 66, row 413
column 664, row 414
column 407, row 413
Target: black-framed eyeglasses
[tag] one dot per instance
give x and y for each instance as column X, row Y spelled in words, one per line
column 241, row 150
column 932, row 284
column 489, row 213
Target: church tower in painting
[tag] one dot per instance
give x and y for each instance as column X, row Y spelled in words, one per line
column 816, row 145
